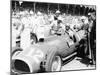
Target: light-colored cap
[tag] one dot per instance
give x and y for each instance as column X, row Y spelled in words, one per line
column 83, row 17
column 89, row 13
column 39, row 13
column 58, row 11
column 31, row 12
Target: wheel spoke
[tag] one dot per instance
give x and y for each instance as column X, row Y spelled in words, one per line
column 56, row 64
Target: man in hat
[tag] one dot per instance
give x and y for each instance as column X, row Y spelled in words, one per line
column 56, row 21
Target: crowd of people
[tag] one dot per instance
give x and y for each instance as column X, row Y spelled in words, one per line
column 28, row 21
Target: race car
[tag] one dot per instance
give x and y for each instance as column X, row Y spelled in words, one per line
column 47, row 55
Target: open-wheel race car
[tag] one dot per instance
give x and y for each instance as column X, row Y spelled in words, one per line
column 49, row 54
column 60, row 42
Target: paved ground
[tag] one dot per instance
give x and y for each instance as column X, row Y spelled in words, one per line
column 76, row 65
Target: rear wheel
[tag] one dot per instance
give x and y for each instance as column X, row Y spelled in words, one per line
column 33, row 38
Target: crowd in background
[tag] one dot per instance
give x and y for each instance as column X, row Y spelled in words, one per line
column 29, row 18
column 26, row 21
column 22, row 20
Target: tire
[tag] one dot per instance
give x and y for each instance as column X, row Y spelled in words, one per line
column 53, row 62
column 34, row 38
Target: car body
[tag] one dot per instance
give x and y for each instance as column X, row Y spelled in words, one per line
column 36, row 56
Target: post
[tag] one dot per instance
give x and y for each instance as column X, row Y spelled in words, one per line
column 58, row 6
column 74, row 9
column 34, row 8
column 48, row 9
column 15, row 5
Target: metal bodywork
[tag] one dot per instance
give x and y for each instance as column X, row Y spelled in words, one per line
column 34, row 55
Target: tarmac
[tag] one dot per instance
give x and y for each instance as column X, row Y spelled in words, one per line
column 77, row 64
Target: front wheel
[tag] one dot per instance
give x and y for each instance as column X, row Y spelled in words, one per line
column 56, row 64
column 53, row 62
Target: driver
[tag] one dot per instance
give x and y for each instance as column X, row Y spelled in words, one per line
column 69, row 31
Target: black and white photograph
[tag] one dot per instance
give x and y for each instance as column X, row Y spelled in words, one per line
column 51, row 37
